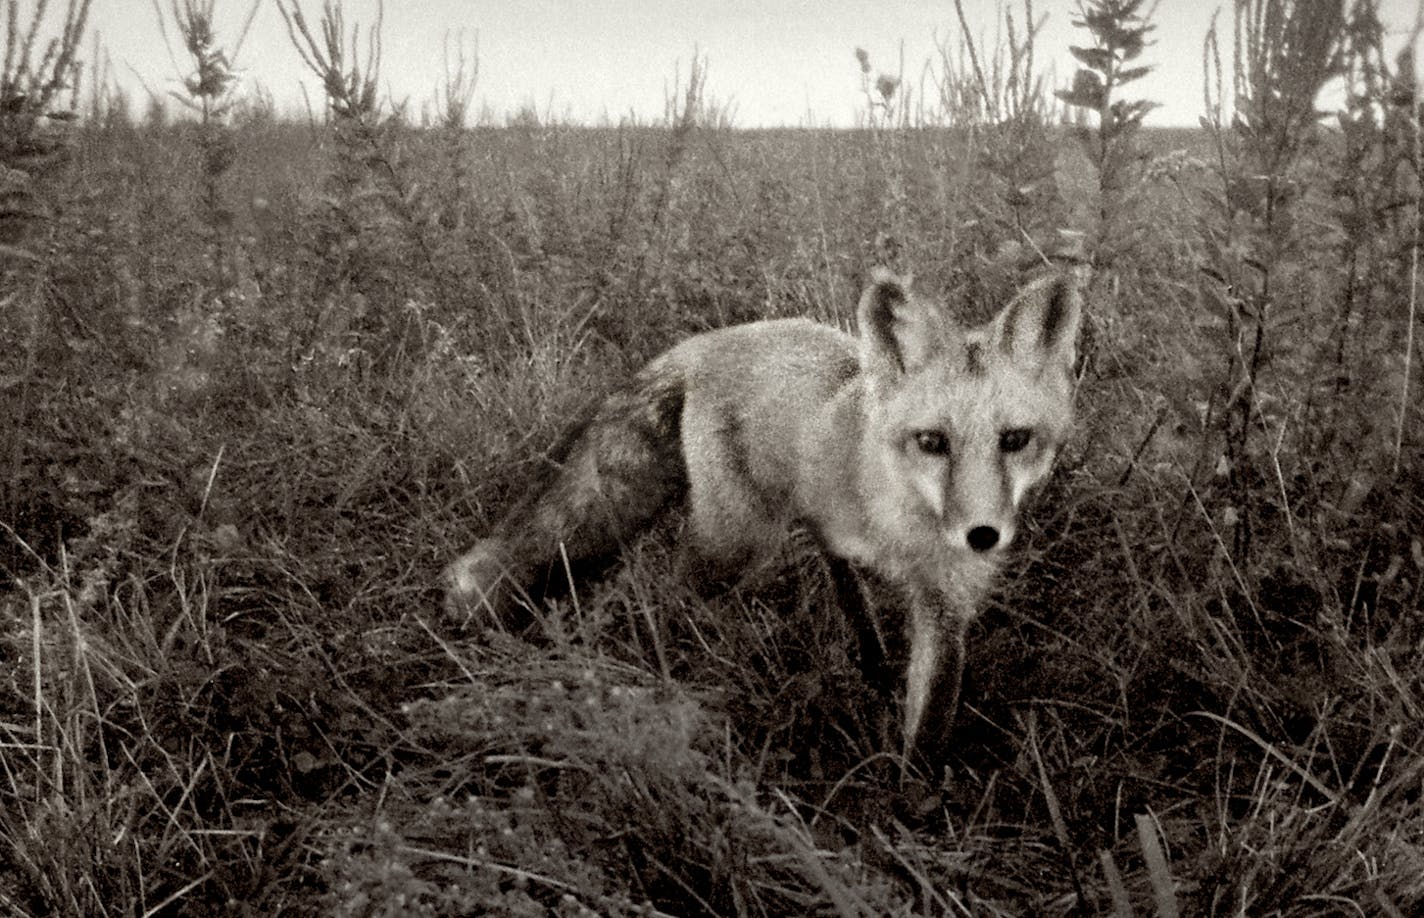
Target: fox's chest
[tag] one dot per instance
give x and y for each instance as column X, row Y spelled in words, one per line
column 844, row 536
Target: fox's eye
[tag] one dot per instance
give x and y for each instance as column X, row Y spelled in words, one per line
column 932, row 442
column 1011, row 441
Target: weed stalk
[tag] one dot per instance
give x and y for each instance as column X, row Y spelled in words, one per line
column 1284, row 52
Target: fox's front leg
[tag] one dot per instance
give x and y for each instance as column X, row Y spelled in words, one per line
column 861, row 603
column 936, row 670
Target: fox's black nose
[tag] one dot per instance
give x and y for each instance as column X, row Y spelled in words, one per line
column 983, row 538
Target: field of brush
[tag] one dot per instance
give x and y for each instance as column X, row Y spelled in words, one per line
column 249, row 412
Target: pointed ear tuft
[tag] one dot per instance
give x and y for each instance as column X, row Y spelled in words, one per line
column 1040, row 325
column 896, row 329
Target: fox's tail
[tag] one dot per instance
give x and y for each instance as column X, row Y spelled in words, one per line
column 606, row 481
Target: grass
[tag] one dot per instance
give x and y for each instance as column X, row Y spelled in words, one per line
column 228, row 686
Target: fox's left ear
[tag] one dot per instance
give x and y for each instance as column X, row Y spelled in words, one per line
column 1040, row 326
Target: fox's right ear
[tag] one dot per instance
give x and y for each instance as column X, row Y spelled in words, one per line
column 897, row 332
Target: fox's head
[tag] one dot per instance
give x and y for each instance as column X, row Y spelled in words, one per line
column 963, row 423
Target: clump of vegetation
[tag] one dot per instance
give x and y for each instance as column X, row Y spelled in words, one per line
column 452, row 99
column 1119, row 30
column 227, row 685
column 39, row 86
column 1015, row 147
column 38, row 75
column 207, row 92
column 1255, row 242
column 886, row 106
column 368, row 227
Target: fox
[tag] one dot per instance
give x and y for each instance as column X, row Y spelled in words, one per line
column 907, row 450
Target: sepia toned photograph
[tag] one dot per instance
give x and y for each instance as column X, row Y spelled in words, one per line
column 688, row 459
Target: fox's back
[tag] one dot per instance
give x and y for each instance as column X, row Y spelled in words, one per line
column 765, row 364
column 751, row 390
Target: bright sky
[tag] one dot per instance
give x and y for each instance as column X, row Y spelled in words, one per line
column 773, row 62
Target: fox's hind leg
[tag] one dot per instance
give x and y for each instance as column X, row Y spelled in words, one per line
column 713, row 560
column 607, row 482
column 725, row 537
column 733, row 522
